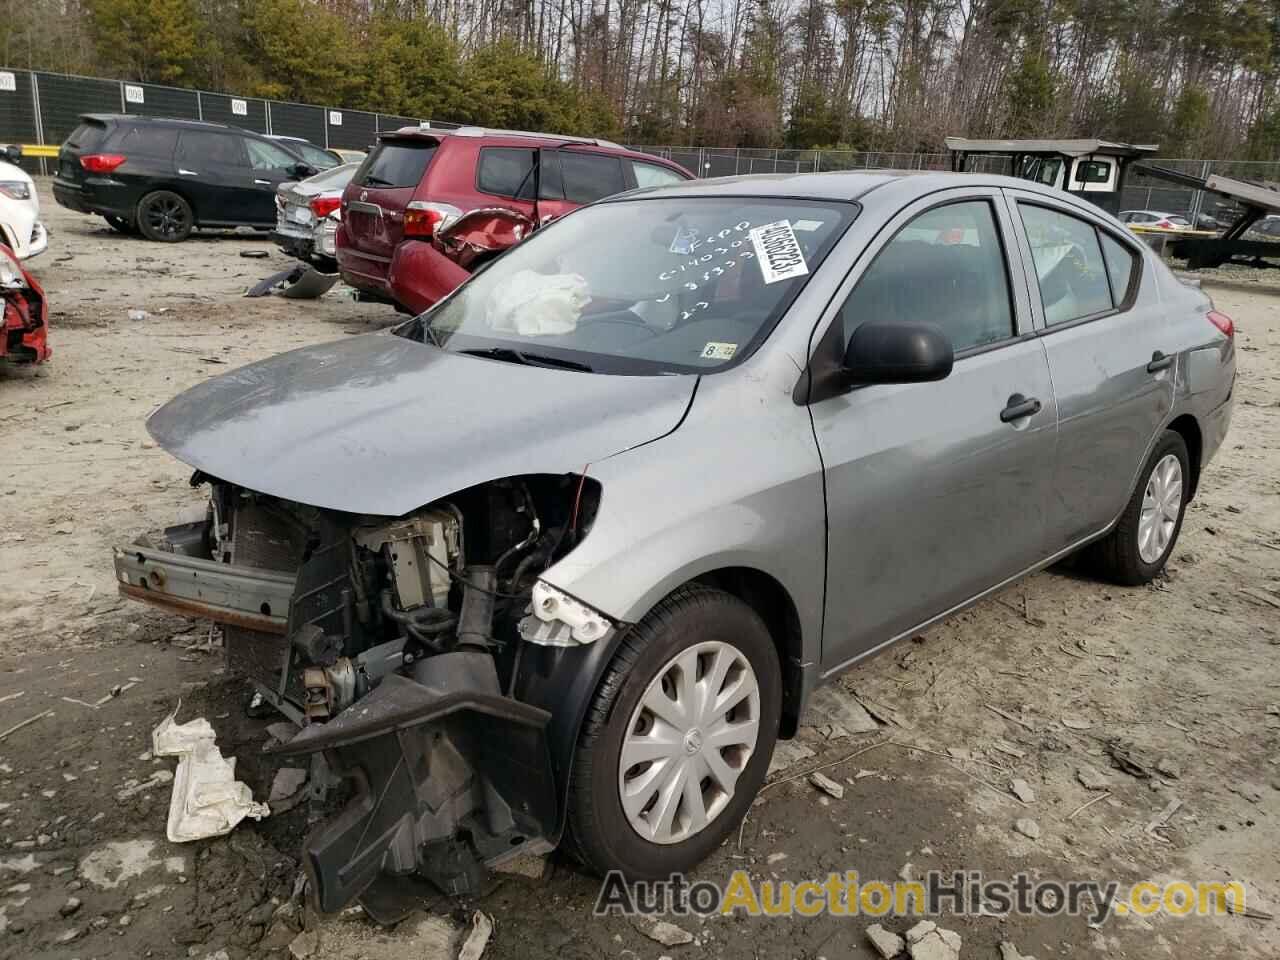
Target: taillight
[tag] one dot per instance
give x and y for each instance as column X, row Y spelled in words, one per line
column 323, row 206
column 422, row 219
column 1165, row 224
column 1222, row 322
column 101, row 162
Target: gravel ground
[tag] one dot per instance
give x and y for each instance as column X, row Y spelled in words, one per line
column 1029, row 686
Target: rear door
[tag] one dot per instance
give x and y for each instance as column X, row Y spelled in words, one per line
column 214, row 175
column 573, row 177
column 1102, row 339
column 375, row 200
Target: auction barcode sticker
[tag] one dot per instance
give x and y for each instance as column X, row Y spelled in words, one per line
column 778, row 251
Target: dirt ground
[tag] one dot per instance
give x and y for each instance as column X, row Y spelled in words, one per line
column 1182, row 678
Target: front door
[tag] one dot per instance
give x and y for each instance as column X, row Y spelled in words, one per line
column 269, row 166
column 936, row 491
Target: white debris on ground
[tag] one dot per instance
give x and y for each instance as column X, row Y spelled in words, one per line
column 420, row 937
column 1028, row 828
column 928, row 941
column 1009, row 952
column 887, row 944
column 660, row 931
column 478, row 938
column 207, row 800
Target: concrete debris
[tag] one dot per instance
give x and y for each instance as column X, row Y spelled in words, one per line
column 1074, row 721
column 526, row 865
column 927, row 941
column 287, row 782
column 887, row 944
column 71, row 906
column 775, row 858
column 207, row 799
column 660, row 931
column 827, row 785
column 1163, row 816
column 478, row 938
column 305, row 944
column 1091, row 778
column 908, row 872
column 1028, row 828
column 1007, row 748
column 787, row 753
column 1022, row 790
column 1009, row 952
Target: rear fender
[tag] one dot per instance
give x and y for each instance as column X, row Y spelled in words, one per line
column 421, row 275
column 482, row 232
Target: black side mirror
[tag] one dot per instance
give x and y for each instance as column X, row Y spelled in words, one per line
column 302, row 170
column 883, row 352
column 12, row 152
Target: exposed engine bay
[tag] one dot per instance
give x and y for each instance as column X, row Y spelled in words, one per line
column 395, row 645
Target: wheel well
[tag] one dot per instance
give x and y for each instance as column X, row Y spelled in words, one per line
column 770, row 600
column 195, row 214
column 1189, row 429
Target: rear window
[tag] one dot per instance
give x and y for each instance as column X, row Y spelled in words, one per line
column 147, row 140
column 396, row 163
column 506, row 172
column 87, row 136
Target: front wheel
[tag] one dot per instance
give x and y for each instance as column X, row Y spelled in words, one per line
column 165, row 217
column 678, row 738
column 1139, row 545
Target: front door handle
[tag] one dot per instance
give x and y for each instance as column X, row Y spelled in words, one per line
column 187, row 173
column 1018, row 407
column 1159, row 361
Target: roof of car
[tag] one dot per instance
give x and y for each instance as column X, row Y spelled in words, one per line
column 477, row 132
column 176, row 122
column 841, row 185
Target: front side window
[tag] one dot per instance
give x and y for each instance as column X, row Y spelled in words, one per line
column 653, row 175
column 945, row 267
column 1069, row 265
column 685, row 285
column 506, row 172
column 267, row 156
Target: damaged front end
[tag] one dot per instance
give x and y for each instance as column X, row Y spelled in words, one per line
column 395, row 644
column 24, row 313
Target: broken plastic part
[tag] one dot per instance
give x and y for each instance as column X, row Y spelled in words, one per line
column 558, row 620
column 207, row 799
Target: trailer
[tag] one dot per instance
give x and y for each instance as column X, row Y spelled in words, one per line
column 1093, row 169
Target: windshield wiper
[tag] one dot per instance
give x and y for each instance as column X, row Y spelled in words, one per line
column 371, row 180
column 528, row 359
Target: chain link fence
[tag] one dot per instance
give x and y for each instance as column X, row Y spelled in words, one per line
column 43, row 108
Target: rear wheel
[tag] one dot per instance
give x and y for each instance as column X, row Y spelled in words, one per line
column 122, row 225
column 678, row 738
column 1139, row 546
column 165, row 217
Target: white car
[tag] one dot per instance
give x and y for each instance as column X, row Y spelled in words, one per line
column 1155, row 219
column 20, row 226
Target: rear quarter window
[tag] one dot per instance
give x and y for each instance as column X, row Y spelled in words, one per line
column 396, row 163
column 87, row 136
column 147, row 140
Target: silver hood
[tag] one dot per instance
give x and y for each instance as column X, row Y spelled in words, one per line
column 378, row 424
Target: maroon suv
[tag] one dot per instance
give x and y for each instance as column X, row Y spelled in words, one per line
column 428, row 206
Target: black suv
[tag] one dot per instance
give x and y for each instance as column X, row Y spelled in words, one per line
column 162, row 178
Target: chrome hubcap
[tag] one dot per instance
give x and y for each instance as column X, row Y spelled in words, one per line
column 688, row 741
column 1160, row 505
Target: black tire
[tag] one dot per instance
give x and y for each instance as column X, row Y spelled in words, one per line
column 122, row 225
column 1117, row 556
column 599, row 834
column 165, row 217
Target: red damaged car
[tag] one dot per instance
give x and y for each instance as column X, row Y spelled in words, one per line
column 24, row 332
column 429, row 206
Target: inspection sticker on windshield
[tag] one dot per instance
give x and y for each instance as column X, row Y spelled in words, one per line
column 715, row 350
column 778, row 251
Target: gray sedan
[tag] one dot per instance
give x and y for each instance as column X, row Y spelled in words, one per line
column 560, row 559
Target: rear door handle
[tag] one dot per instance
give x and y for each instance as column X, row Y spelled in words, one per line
column 263, row 183
column 1018, row 407
column 1159, row 361
column 187, row 173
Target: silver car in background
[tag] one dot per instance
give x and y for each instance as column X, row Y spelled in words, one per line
column 308, row 214
column 561, row 558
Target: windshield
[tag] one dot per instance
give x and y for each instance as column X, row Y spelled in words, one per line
column 678, row 285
